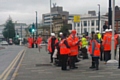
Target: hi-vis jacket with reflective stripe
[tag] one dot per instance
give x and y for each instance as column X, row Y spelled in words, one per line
column 96, row 52
column 49, row 44
column 63, row 49
column 73, row 45
column 107, row 42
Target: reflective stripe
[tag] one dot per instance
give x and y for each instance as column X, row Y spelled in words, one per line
column 73, row 50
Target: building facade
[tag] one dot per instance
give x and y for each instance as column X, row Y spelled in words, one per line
column 55, row 11
column 88, row 23
column 20, row 29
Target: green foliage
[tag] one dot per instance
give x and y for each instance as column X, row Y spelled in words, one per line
column 64, row 29
column 9, row 30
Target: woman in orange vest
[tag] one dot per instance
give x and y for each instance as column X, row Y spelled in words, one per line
column 64, row 51
column 51, row 45
column 95, row 52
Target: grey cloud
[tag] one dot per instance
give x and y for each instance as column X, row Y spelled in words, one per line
column 24, row 10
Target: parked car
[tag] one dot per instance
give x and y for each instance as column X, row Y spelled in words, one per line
column 4, row 43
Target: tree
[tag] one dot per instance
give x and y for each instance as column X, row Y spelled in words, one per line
column 65, row 29
column 9, row 30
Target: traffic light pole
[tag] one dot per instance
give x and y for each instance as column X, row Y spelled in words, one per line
column 36, row 25
column 33, row 40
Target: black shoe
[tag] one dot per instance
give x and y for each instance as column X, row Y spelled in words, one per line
column 73, row 67
column 97, row 68
column 51, row 62
column 92, row 67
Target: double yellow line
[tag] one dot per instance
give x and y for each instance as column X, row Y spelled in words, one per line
column 8, row 70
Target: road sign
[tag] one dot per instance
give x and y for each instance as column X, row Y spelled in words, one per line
column 76, row 18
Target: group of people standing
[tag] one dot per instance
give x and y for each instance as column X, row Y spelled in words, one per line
column 31, row 41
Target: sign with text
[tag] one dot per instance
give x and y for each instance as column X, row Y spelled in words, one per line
column 76, row 18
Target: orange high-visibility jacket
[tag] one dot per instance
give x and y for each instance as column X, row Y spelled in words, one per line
column 90, row 47
column 73, row 47
column 107, row 42
column 39, row 40
column 97, row 49
column 63, row 49
column 49, row 48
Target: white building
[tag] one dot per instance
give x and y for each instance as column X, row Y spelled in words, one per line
column 88, row 23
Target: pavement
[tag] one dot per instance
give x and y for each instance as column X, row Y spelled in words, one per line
column 36, row 66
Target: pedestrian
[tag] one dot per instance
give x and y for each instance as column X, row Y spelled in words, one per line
column 95, row 52
column 73, row 42
column 51, row 45
column 107, row 45
column 64, row 52
column 30, row 42
column 39, row 41
column 84, row 47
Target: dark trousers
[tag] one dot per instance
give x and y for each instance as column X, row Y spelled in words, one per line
column 36, row 45
column 115, row 52
column 84, row 52
column 95, row 62
column 101, row 53
column 51, row 57
column 72, row 61
column 64, row 59
column 107, row 55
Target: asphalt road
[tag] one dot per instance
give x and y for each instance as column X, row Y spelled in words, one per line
column 7, row 55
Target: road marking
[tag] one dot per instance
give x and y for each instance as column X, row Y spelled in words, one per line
column 8, row 68
column 16, row 71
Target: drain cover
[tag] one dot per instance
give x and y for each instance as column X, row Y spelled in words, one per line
column 38, row 65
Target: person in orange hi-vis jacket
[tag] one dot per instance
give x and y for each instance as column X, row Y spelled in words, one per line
column 30, row 42
column 39, row 40
column 107, row 45
column 73, row 42
column 51, row 45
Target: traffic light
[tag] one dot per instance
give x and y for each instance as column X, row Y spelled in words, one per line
column 17, row 36
column 33, row 28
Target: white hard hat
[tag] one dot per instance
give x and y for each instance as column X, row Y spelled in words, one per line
column 103, row 32
column 52, row 34
column 60, row 33
column 97, row 31
column 106, row 30
column 110, row 30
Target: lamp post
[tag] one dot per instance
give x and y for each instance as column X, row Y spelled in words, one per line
column 110, row 15
column 99, row 17
column 50, row 18
column 112, row 61
column 36, row 25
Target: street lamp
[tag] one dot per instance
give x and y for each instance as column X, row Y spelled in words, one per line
column 50, row 18
column 36, row 25
column 99, row 17
column 110, row 15
column 112, row 61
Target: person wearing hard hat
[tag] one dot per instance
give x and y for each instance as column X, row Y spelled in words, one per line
column 61, row 35
column 107, row 45
column 51, row 45
column 83, row 47
column 73, row 42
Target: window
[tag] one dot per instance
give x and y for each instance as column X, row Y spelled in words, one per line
column 85, row 29
column 85, row 23
column 92, row 29
column 96, row 22
column 88, row 23
column 78, row 24
column 92, row 23
column 74, row 24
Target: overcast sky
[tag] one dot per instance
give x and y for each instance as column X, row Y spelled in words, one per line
column 24, row 10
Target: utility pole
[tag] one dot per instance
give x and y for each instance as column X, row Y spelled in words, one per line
column 99, row 17
column 110, row 15
column 36, row 25
column 50, row 18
